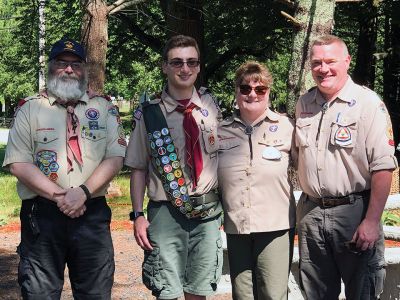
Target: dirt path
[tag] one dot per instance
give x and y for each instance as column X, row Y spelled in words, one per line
column 128, row 260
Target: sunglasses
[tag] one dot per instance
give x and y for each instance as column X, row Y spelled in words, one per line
column 75, row 65
column 191, row 63
column 260, row 90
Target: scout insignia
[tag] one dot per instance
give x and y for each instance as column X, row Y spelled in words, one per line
column 113, row 111
column 93, row 125
column 204, row 112
column 92, row 114
column 211, row 139
column 271, row 153
column 273, row 128
column 343, row 136
column 352, row 103
column 164, row 131
column 137, row 114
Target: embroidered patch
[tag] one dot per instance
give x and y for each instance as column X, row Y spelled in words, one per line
column 204, row 112
column 46, row 160
column 137, row 114
column 211, row 139
column 92, row 114
column 343, row 136
column 122, row 142
column 113, row 111
column 93, row 125
column 121, row 132
column 273, row 128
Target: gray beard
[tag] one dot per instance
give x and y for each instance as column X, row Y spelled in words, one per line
column 69, row 90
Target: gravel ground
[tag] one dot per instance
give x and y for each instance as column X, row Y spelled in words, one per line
column 128, row 259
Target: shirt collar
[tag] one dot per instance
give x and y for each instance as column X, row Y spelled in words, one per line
column 267, row 114
column 46, row 94
column 170, row 103
column 345, row 94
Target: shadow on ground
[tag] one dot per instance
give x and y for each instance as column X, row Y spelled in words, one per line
column 9, row 288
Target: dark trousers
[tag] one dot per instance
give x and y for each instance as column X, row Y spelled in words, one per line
column 325, row 259
column 50, row 239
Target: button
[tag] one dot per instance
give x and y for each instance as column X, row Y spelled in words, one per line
column 94, row 137
column 45, row 139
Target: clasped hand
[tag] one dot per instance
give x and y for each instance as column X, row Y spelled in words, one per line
column 71, row 202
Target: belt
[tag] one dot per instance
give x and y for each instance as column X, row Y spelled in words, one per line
column 48, row 201
column 211, row 196
column 327, row 202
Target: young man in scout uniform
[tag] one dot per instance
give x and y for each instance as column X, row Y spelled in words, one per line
column 345, row 163
column 173, row 151
column 64, row 147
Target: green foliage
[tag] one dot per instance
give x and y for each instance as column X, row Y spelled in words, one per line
column 390, row 218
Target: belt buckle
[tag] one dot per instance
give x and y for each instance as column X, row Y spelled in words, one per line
column 326, row 203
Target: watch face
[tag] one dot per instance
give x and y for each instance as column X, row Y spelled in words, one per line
column 135, row 214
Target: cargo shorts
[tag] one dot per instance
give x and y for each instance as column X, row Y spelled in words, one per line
column 186, row 256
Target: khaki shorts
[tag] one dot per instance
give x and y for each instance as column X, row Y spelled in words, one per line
column 187, row 254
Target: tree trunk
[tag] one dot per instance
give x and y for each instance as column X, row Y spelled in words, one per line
column 95, row 40
column 42, row 31
column 315, row 18
column 364, row 71
column 184, row 17
column 391, row 85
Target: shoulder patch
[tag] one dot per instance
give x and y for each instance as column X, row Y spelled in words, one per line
column 113, row 110
column 205, row 91
column 137, row 114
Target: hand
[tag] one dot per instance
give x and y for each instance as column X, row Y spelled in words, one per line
column 72, row 203
column 140, row 231
column 78, row 213
column 366, row 235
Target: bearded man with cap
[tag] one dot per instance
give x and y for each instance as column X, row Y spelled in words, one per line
column 65, row 146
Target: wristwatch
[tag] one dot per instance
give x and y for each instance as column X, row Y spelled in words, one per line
column 133, row 215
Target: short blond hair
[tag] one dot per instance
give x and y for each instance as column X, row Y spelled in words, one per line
column 253, row 71
column 329, row 39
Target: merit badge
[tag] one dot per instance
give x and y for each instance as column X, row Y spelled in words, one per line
column 166, row 187
column 53, row 177
column 164, row 131
column 352, row 103
column 156, row 134
column 182, row 209
column 167, row 140
column 137, row 114
column 93, row 125
column 178, row 202
column 167, row 169
column 163, row 179
column 181, row 181
column 92, row 114
column 172, row 157
column 176, row 194
column 161, row 151
column 272, row 153
column 183, row 190
column 170, row 177
column 343, row 136
column 165, row 160
column 159, row 142
column 54, row 166
column 173, row 185
column 204, row 112
column 178, row 173
column 188, row 206
column 175, row 164
column 158, row 162
column 149, row 136
column 273, row 128
column 170, row 148
column 152, row 145
column 154, row 153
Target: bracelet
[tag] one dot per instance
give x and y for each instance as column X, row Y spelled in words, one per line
column 86, row 191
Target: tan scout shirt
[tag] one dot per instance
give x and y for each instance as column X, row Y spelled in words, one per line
column 206, row 115
column 253, row 177
column 38, row 136
column 354, row 138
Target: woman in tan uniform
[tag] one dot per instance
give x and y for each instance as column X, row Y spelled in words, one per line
column 254, row 156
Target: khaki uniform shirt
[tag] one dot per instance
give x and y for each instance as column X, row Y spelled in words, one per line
column 39, row 133
column 339, row 150
column 256, row 191
column 139, row 153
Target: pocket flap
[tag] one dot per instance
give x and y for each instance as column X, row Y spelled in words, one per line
column 229, row 144
column 95, row 135
column 346, row 121
column 45, row 137
column 300, row 123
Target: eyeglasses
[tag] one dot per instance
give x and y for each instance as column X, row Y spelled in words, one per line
column 246, row 89
column 75, row 65
column 178, row 63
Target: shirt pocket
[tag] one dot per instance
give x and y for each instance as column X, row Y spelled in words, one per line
column 303, row 132
column 344, row 133
column 228, row 153
column 94, row 142
column 210, row 139
column 45, row 139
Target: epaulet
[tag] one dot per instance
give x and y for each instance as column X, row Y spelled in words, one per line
column 227, row 121
column 24, row 100
column 205, row 91
column 146, row 99
column 92, row 94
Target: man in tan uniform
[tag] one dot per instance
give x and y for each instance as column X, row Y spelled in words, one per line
column 346, row 158
column 173, row 150
column 64, row 147
column 255, row 146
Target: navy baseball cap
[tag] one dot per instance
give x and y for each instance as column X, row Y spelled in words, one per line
column 67, row 45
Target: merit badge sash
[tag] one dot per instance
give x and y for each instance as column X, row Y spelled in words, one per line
column 165, row 160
